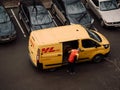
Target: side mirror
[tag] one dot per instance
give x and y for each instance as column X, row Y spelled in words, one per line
column 97, row 7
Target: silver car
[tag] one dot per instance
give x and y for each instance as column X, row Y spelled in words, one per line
column 107, row 11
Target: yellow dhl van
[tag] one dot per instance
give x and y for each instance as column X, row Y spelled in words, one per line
column 47, row 47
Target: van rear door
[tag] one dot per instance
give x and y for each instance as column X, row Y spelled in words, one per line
column 51, row 55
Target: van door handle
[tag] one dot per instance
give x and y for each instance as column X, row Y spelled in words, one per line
column 59, row 55
column 82, row 50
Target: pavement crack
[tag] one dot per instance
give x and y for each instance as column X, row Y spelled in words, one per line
column 114, row 62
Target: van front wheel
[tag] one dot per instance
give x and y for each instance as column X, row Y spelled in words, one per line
column 97, row 58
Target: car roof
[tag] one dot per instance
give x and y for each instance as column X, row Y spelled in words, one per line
column 60, row 34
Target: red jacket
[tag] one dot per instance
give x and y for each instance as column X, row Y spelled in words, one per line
column 73, row 54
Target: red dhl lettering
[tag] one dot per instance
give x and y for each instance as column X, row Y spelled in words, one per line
column 48, row 49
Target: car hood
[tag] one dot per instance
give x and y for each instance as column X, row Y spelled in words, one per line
column 6, row 28
column 111, row 16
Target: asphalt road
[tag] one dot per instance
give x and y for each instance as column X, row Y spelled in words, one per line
column 17, row 73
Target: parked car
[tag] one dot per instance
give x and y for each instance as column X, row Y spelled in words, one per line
column 71, row 12
column 34, row 15
column 107, row 11
column 7, row 28
column 118, row 1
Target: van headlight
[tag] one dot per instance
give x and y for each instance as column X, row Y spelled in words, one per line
column 106, row 46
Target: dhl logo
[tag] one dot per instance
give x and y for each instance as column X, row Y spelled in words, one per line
column 49, row 49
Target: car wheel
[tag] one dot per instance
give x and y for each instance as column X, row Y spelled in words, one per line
column 67, row 23
column 102, row 23
column 98, row 58
column 84, row 1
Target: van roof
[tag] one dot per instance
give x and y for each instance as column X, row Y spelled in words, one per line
column 59, row 34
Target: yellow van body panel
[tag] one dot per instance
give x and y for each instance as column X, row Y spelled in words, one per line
column 46, row 45
column 51, row 55
column 60, row 34
column 33, row 47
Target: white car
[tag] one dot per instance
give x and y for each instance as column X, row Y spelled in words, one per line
column 108, row 11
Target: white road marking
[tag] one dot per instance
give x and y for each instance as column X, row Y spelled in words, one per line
column 18, row 23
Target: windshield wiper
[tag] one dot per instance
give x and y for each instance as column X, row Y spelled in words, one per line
column 80, row 18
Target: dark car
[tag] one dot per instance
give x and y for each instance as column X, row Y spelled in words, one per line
column 34, row 15
column 71, row 12
column 7, row 28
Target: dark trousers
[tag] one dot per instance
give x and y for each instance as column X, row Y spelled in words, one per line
column 71, row 67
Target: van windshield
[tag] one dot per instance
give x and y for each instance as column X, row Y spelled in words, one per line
column 94, row 35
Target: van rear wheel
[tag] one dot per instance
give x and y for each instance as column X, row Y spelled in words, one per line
column 39, row 66
column 97, row 58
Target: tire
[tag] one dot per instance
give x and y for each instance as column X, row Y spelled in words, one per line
column 97, row 58
column 67, row 23
column 84, row 1
column 102, row 23
column 39, row 66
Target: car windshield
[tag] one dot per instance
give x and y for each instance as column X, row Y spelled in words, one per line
column 3, row 15
column 82, row 18
column 75, row 8
column 39, row 15
column 108, row 5
column 94, row 35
